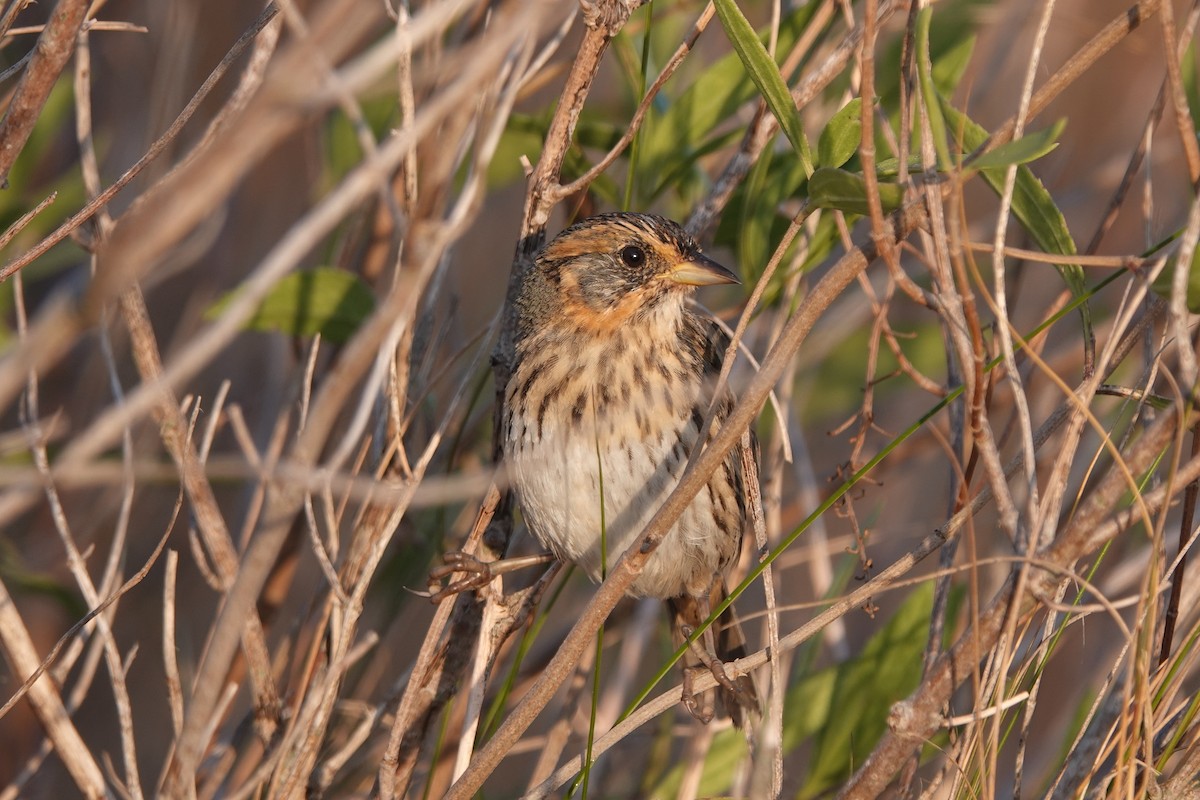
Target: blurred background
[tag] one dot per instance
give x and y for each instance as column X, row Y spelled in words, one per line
column 269, row 168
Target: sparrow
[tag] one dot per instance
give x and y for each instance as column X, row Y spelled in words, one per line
column 612, row 379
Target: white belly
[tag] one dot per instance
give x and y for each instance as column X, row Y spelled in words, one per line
column 594, row 445
column 559, row 478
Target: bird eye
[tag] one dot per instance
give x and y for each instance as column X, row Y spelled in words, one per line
column 633, row 256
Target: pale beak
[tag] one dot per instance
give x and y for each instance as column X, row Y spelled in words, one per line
column 700, row 270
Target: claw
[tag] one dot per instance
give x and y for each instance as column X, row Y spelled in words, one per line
column 737, row 691
column 699, row 706
column 477, row 574
column 717, row 668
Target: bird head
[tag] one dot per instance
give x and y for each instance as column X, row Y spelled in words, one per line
column 613, row 267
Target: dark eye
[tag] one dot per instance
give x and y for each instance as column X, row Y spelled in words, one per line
column 633, row 256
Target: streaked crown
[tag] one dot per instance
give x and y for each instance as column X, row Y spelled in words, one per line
column 610, row 261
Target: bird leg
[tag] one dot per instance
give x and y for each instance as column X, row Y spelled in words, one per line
column 721, row 642
column 710, row 662
column 477, row 574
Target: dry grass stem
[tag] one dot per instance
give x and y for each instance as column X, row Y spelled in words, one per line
column 253, row 263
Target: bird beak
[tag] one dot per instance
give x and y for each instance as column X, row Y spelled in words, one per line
column 700, row 270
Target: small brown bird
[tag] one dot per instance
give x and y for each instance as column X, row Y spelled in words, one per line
column 612, row 379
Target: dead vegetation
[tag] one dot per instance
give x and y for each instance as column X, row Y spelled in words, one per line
column 253, row 270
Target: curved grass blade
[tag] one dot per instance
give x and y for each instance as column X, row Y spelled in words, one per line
column 1032, row 205
column 765, row 74
column 1028, row 148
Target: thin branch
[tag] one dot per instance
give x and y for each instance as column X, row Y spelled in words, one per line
column 50, row 56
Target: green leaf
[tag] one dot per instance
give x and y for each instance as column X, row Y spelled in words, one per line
column 886, row 670
column 1028, row 148
column 681, row 130
column 890, row 167
column 766, row 77
column 808, row 708
column 342, row 149
column 847, row 191
column 753, row 223
column 754, row 230
column 950, row 46
column 331, row 302
column 842, row 136
column 681, row 170
column 1032, row 205
column 843, row 708
column 950, row 61
column 822, row 242
column 929, row 92
column 674, row 133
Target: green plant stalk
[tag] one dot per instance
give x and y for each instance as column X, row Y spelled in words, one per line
column 588, row 760
column 437, row 749
column 1189, row 716
column 585, row 774
column 929, row 93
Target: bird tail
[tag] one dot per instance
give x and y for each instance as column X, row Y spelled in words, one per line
column 721, row 644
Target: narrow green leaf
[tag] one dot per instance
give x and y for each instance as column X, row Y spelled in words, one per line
column 1028, row 148
column 847, row 191
column 331, row 302
column 681, row 130
column 929, row 93
column 842, row 136
column 766, row 77
column 808, row 708
column 1033, row 206
column 888, row 668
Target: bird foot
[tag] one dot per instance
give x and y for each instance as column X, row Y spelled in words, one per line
column 475, row 574
column 700, row 705
column 738, row 692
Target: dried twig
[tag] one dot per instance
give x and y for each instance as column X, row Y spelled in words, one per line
column 54, row 48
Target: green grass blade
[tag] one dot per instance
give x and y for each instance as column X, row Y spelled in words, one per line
column 765, row 74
